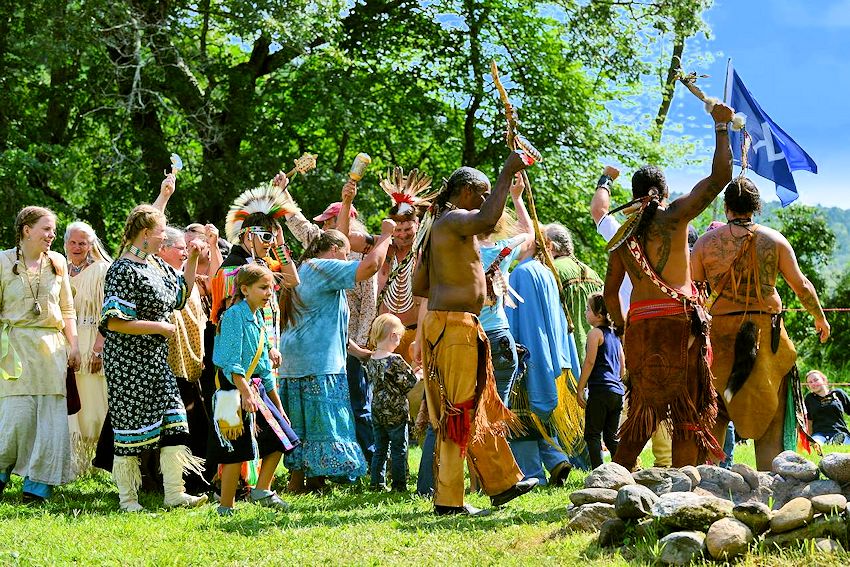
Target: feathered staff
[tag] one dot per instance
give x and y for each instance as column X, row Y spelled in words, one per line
column 567, row 416
column 516, row 141
column 635, row 208
column 739, row 120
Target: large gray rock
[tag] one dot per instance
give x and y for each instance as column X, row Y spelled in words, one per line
column 728, row 538
column 819, row 488
column 612, row 533
column 748, row 473
column 591, row 495
column 693, row 474
column 823, row 526
column 825, row 545
column 768, row 478
column 689, row 511
column 761, row 494
column 590, row 517
column 663, row 480
column 789, row 464
column 836, row 466
column 785, row 490
column 634, row 501
column 796, row 513
column 681, row 548
column 829, row 503
column 714, row 489
column 609, row 475
column 727, row 480
column 756, row 515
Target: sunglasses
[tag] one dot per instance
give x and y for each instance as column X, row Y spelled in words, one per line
column 263, row 235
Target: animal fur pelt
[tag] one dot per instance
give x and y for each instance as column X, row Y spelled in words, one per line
column 746, row 351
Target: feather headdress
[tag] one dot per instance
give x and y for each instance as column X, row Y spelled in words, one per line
column 406, row 190
column 268, row 199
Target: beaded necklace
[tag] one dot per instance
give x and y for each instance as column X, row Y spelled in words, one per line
column 139, row 253
column 36, row 306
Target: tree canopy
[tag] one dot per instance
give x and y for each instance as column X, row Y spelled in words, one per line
column 96, row 94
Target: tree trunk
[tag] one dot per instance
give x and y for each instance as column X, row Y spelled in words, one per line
column 669, row 87
column 475, row 21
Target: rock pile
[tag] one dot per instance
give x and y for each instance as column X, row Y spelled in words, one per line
column 709, row 511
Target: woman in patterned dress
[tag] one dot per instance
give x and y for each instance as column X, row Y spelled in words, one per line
column 87, row 265
column 141, row 291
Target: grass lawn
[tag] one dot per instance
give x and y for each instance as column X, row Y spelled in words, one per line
column 349, row 526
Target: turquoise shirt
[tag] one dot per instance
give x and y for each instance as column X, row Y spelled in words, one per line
column 316, row 344
column 493, row 316
column 236, row 344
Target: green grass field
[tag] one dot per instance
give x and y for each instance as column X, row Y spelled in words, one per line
column 348, row 526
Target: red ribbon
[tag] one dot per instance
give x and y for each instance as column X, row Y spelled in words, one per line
column 459, row 423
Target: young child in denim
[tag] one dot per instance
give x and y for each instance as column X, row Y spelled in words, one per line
column 391, row 379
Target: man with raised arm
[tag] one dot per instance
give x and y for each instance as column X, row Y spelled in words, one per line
column 607, row 226
column 754, row 360
column 463, row 404
column 666, row 340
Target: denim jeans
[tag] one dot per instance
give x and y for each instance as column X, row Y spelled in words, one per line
column 534, row 455
column 729, row 446
column 393, row 439
column 503, row 355
column 425, row 480
column 361, row 405
column 832, row 440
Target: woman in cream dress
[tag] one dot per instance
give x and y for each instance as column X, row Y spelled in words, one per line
column 38, row 335
column 87, row 265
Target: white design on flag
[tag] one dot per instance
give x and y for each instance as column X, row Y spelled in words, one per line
column 772, row 155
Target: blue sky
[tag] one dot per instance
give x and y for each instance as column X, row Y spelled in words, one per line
column 794, row 57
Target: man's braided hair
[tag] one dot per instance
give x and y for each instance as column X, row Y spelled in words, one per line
column 460, row 178
column 644, row 180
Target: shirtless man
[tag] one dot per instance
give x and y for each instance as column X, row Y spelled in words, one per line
column 666, row 361
column 463, row 404
column 402, row 303
column 607, row 226
column 752, row 256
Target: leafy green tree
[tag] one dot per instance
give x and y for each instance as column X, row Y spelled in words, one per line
column 97, row 94
column 834, row 352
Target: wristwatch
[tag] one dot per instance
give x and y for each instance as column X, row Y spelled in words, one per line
column 97, row 353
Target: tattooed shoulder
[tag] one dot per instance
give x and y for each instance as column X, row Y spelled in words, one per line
column 768, row 259
column 660, row 237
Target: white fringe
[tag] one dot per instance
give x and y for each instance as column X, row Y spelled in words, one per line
column 126, row 471
column 188, row 461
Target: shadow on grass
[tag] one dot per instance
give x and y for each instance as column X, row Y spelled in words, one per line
column 343, row 505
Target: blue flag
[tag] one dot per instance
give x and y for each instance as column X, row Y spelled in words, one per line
column 773, row 153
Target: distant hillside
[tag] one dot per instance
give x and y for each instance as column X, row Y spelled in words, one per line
column 838, row 220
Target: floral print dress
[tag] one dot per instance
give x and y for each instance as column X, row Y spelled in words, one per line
column 144, row 401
